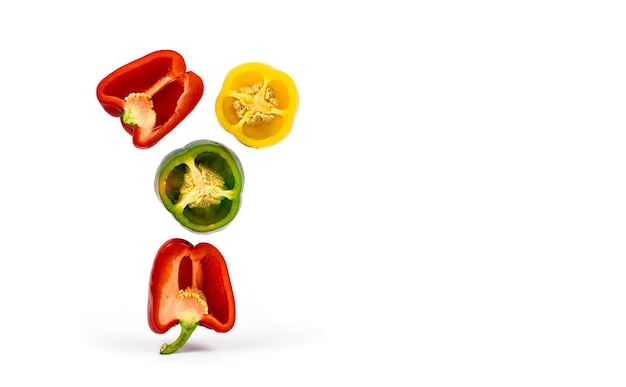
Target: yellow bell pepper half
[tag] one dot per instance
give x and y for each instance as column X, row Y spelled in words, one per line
column 257, row 104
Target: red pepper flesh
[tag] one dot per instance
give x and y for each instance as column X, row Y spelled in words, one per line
column 190, row 286
column 151, row 95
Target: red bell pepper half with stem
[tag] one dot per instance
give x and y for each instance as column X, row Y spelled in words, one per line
column 190, row 286
column 151, row 95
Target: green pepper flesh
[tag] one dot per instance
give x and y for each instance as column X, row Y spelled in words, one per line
column 201, row 185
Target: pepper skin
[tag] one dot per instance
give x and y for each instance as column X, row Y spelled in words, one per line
column 151, row 95
column 190, row 286
column 257, row 104
column 201, row 185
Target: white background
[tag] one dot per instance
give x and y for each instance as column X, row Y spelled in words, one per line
column 448, row 210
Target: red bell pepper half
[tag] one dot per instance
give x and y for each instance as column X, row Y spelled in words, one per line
column 151, row 95
column 190, row 286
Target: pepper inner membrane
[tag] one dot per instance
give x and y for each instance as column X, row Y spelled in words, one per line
column 165, row 101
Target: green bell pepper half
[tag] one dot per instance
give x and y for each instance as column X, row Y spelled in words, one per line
column 201, row 185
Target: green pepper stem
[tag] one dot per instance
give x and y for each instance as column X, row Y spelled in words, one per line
column 186, row 329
